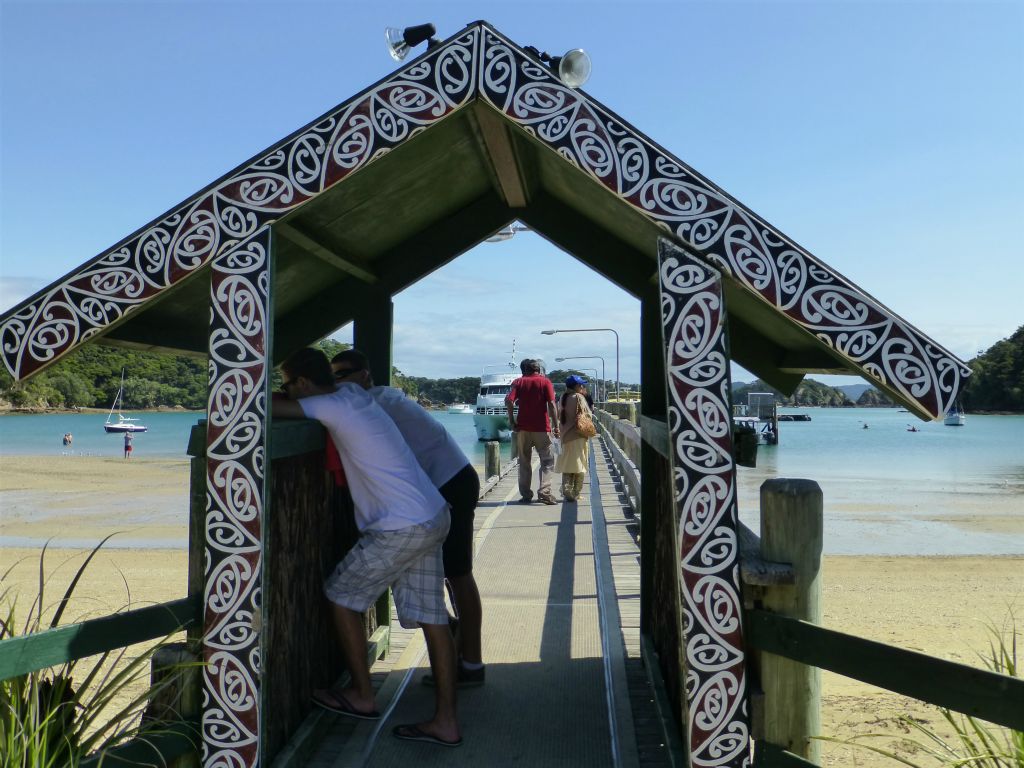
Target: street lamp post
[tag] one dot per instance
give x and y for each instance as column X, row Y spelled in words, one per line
column 604, row 379
column 585, row 330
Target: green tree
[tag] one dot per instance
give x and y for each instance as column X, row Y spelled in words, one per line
column 997, row 377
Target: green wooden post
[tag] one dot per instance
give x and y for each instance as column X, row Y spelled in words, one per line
column 175, row 675
column 196, row 521
column 654, row 405
column 372, row 331
column 791, row 532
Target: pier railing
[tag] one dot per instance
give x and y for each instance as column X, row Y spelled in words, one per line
column 787, row 647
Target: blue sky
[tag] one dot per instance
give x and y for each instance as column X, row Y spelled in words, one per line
column 885, row 137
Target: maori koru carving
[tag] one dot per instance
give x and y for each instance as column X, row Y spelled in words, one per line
column 725, row 233
column 704, row 476
column 108, row 288
column 235, row 492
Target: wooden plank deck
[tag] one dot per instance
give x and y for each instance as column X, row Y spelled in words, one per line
column 549, row 665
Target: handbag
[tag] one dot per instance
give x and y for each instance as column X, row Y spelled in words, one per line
column 584, row 422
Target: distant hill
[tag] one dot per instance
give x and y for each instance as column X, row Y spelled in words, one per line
column 854, row 391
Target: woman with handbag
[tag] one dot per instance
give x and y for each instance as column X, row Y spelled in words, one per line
column 577, row 427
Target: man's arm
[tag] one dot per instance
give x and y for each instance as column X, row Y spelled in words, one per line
column 553, row 413
column 286, row 409
column 510, row 400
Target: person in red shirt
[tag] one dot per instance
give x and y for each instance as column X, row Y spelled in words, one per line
column 533, row 426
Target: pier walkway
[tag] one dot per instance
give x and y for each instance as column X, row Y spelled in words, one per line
column 565, row 684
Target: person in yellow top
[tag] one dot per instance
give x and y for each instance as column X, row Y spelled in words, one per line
column 574, row 457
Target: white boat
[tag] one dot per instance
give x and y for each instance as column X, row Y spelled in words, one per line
column 491, row 417
column 461, row 408
column 123, row 423
column 955, row 417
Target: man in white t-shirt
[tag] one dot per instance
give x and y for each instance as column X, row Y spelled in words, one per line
column 402, row 521
column 457, row 481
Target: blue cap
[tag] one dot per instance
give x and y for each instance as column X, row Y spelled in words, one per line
column 575, row 381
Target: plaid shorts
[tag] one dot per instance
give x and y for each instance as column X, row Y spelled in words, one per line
column 408, row 560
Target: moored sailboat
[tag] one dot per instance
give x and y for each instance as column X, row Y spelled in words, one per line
column 123, row 423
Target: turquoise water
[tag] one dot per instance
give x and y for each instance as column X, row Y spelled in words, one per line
column 938, row 491
column 941, row 490
column 41, row 434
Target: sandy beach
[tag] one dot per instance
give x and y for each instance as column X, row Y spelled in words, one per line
column 935, row 605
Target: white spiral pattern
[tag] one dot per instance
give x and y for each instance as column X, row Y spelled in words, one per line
column 727, row 235
column 227, row 222
column 235, row 483
column 693, row 314
column 45, row 327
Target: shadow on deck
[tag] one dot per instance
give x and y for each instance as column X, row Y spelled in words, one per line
column 565, row 682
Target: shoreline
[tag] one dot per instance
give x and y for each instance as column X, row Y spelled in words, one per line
column 7, row 410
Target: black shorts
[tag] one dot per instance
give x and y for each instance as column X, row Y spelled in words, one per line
column 462, row 492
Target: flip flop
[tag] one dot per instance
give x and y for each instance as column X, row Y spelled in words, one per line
column 342, row 706
column 412, row 732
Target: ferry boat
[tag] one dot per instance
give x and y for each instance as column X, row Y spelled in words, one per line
column 461, row 408
column 491, row 417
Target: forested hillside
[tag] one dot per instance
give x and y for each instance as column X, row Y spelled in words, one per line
column 997, row 378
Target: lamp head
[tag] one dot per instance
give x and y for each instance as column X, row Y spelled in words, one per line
column 573, row 67
column 400, row 42
column 560, row 359
column 548, row 333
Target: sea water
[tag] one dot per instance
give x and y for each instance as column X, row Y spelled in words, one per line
column 887, row 490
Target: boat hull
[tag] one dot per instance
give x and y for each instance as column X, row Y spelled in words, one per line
column 492, row 426
column 954, row 419
column 122, row 428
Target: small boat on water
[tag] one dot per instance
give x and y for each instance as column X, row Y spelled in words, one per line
column 461, row 408
column 955, row 416
column 123, row 423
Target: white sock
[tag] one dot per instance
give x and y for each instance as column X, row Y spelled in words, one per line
column 472, row 665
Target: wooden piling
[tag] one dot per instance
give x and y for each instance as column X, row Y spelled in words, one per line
column 175, row 676
column 492, row 458
column 791, row 532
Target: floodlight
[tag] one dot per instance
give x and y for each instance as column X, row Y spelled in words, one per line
column 400, row 42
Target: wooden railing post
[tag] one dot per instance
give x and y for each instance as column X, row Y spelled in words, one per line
column 175, row 674
column 492, row 459
column 791, row 532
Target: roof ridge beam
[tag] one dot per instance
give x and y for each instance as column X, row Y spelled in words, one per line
column 345, row 263
column 501, row 154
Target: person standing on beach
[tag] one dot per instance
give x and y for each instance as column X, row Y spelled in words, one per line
column 128, row 437
column 402, row 522
column 454, row 477
column 533, row 427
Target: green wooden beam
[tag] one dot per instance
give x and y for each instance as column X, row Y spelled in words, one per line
column 157, row 747
column 373, row 332
column 28, row 653
column 592, row 244
column 976, row 692
column 323, row 251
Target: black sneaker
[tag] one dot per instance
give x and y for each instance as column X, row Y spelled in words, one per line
column 467, row 678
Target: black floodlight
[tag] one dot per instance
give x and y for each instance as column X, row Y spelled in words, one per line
column 572, row 68
column 400, row 42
